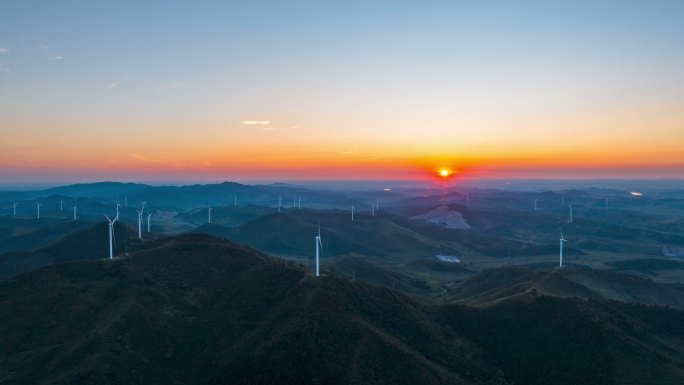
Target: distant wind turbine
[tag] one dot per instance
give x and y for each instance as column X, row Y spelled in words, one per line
column 38, row 208
column 15, row 208
column 117, row 211
column 535, row 204
column 570, row 207
column 319, row 248
column 148, row 222
column 294, row 201
column 280, row 202
column 235, row 202
column 111, row 236
column 75, row 205
column 140, row 213
column 352, row 213
column 606, row 203
column 61, row 205
column 299, row 206
column 209, row 214
column 560, row 254
column 372, row 209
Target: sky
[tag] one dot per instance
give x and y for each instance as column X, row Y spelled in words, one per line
column 316, row 90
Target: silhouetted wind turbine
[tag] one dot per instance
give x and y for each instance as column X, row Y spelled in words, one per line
column 140, row 213
column 319, row 248
column 111, row 236
column 560, row 254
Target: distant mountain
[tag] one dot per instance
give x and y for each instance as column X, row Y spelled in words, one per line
column 30, row 234
column 517, row 283
column 89, row 243
column 195, row 309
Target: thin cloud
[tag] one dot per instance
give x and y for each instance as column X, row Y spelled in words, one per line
column 349, row 152
column 255, row 122
column 4, row 50
column 143, row 158
column 117, row 82
column 56, row 58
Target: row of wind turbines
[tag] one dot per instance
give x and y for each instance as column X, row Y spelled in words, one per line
column 112, row 222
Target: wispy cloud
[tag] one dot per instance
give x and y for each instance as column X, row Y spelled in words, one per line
column 349, row 152
column 4, row 50
column 56, row 58
column 143, row 158
column 255, row 122
column 117, row 82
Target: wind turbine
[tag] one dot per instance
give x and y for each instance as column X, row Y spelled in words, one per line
column 372, row 209
column 606, row 203
column 235, row 202
column 280, row 202
column 15, row 208
column 111, row 235
column 294, row 201
column 61, row 205
column 570, row 206
column 562, row 239
column 117, row 211
column 140, row 213
column 209, row 214
column 352, row 213
column 300, row 202
column 148, row 221
column 535, row 204
column 38, row 208
column 319, row 248
column 75, row 205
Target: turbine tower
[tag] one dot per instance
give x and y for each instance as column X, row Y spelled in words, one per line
column 38, row 208
column 319, row 249
column 300, row 203
column 15, row 208
column 535, row 204
column 140, row 213
column 235, row 201
column 570, row 206
column 372, row 209
column 560, row 254
column 61, row 205
column 606, row 203
column 352, row 213
column 117, row 211
column 111, row 235
column 280, row 202
column 75, row 205
column 294, row 201
column 209, row 214
column 148, row 221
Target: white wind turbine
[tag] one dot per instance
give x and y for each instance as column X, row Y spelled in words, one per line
column 209, row 214
column 117, row 211
column 535, row 204
column 372, row 209
column 570, row 207
column 606, row 203
column 148, row 221
column 15, row 208
column 299, row 206
column 75, row 206
column 319, row 248
column 61, row 205
column 111, row 236
column 352, row 213
column 235, row 201
column 294, row 201
column 38, row 208
column 140, row 213
column 560, row 254
column 280, row 202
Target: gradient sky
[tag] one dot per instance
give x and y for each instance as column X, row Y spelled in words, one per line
column 294, row 90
